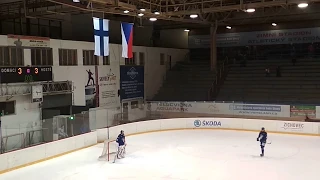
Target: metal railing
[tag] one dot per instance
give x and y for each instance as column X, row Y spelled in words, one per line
column 221, row 73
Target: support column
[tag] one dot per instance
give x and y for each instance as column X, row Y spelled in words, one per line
column 28, row 27
column 213, row 48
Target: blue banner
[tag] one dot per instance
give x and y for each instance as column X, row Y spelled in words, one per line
column 270, row 37
column 131, row 82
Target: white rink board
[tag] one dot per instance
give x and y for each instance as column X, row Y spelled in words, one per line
column 37, row 153
column 28, row 155
column 217, row 123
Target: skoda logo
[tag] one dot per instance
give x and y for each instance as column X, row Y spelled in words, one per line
column 197, row 123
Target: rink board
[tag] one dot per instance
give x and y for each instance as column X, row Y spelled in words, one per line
column 286, row 127
column 24, row 157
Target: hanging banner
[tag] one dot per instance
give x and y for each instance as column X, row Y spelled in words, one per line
column 271, row 37
column 28, row 41
column 131, row 82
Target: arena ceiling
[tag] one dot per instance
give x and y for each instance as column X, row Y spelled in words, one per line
column 172, row 13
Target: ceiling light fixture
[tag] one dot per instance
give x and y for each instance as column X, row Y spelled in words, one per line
column 142, row 9
column 153, row 19
column 140, row 14
column 157, row 13
column 186, row 30
column 126, row 11
column 250, row 10
column 274, row 24
column 193, row 16
column 228, row 27
column 76, row 1
column 303, row 5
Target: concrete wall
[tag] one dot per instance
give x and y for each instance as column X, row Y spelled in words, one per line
column 28, row 114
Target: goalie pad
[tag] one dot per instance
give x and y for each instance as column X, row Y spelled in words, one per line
column 121, row 151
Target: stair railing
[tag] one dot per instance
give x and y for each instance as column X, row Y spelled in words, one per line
column 219, row 79
column 164, row 77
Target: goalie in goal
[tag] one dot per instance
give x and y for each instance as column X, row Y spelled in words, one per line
column 121, row 140
column 120, row 148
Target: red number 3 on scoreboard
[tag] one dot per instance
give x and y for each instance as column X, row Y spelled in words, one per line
column 36, row 71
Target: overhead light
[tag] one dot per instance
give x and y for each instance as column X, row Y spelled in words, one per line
column 140, row 14
column 126, row 11
column 303, row 5
column 186, row 30
column 76, row 1
column 142, row 9
column 228, row 27
column 153, row 19
column 157, row 13
column 274, row 24
column 193, row 16
column 251, row 10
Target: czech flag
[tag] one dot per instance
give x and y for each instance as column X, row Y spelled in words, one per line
column 127, row 38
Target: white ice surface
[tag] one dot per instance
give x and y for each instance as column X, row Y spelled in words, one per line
column 192, row 155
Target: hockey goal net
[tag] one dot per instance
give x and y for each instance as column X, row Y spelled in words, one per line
column 109, row 148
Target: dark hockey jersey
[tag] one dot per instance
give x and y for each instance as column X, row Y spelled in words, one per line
column 121, row 139
column 263, row 136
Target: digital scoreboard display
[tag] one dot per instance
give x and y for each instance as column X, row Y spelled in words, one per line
column 25, row 74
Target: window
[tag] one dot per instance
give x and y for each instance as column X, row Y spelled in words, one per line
column 11, row 56
column 89, row 58
column 134, row 58
column 68, row 57
column 106, row 60
column 134, row 104
column 41, row 57
column 162, row 59
column 141, row 104
column 141, row 58
column 7, row 107
column 131, row 61
column 127, row 61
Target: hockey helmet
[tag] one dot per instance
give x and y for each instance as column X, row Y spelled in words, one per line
column 262, row 129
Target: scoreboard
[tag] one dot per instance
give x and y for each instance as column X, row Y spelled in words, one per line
column 25, row 74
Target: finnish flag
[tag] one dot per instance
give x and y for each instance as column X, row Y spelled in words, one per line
column 101, row 36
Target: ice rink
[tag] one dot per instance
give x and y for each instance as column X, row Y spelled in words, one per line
column 188, row 154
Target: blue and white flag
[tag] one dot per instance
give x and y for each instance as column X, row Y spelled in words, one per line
column 101, row 36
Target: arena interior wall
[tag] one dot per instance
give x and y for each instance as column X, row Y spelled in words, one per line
column 24, row 157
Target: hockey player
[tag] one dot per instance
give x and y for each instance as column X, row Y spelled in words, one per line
column 121, row 140
column 263, row 135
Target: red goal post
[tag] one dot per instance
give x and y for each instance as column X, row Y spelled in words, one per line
column 109, row 148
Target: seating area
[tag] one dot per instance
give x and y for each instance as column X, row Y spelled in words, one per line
column 297, row 84
column 188, row 80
